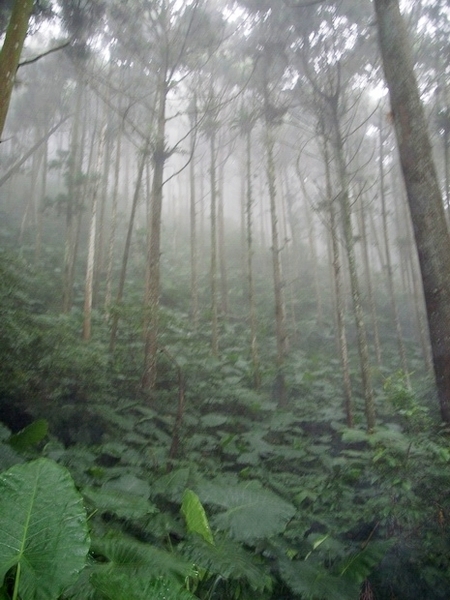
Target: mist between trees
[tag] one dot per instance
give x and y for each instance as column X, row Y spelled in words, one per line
column 229, row 220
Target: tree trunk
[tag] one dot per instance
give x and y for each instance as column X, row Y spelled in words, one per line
column 338, row 293
column 40, row 206
column 193, row 235
column 280, row 316
column 345, row 206
column 221, row 240
column 250, row 281
column 113, row 230
column 126, row 250
column 389, row 273
column 10, row 53
column 213, row 272
column 368, row 277
column 148, row 381
column 73, row 203
column 422, row 187
column 89, row 281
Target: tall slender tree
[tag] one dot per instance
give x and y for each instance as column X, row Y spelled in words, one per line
column 422, row 187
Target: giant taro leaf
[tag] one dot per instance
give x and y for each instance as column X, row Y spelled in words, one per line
column 252, row 512
column 43, row 528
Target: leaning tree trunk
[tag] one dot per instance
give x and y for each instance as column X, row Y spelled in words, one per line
column 10, row 53
column 422, row 187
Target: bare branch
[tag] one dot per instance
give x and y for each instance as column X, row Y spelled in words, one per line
column 30, row 61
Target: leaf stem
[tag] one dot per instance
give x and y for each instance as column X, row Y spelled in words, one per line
column 16, row 583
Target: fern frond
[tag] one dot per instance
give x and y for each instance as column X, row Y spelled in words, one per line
column 128, row 556
column 311, row 580
column 228, row 560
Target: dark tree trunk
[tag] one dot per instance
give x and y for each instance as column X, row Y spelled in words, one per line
column 422, row 187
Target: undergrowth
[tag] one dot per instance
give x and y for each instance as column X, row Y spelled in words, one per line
column 297, row 505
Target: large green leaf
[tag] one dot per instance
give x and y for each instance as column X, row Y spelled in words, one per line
column 42, row 528
column 195, row 516
column 30, row 435
column 252, row 512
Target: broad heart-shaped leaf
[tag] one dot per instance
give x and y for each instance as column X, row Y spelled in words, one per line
column 252, row 512
column 42, row 528
column 195, row 516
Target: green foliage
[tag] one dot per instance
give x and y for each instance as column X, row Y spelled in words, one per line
column 260, row 503
column 43, row 532
column 251, row 512
column 29, row 436
column 125, row 505
column 229, row 560
column 195, row 516
column 113, row 586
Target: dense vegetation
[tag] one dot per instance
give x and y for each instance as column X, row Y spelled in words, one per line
column 299, row 505
column 215, row 375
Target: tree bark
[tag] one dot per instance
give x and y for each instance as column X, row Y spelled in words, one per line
column 213, row 273
column 389, row 270
column 126, row 250
column 73, row 207
column 422, row 187
column 280, row 313
column 113, row 229
column 193, row 234
column 368, row 275
column 249, row 252
column 148, row 381
column 338, row 291
column 92, row 246
column 10, row 53
column 349, row 240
